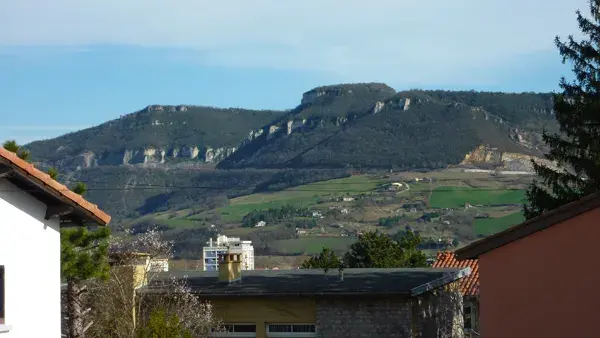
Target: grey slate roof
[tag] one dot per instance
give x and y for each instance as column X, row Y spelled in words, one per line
column 305, row 282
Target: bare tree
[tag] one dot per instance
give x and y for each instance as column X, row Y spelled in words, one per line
column 120, row 307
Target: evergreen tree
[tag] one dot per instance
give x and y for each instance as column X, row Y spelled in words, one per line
column 378, row 250
column 53, row 172
column 83, row 255
column 12, row 146
column 325, row 260
column 79, row 188
column 577, row 108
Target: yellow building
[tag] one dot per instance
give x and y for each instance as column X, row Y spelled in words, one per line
column 310, row 303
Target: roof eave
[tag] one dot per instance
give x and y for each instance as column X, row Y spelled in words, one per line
column 437, row 283
column 90, row 216
column 283, row 294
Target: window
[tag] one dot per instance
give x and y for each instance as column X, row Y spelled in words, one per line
column 237, row 330
column 467, row 314
column 291, row 330
column 2, row 302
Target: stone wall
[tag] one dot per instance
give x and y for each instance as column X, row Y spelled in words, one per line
column 364, row 317
column 390, row 317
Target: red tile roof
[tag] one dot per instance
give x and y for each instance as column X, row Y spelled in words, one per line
column 469, row 286
column 46, row 183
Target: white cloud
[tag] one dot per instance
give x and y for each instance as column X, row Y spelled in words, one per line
column 382, row 39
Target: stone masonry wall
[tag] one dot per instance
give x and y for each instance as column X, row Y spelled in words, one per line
column 363, row 317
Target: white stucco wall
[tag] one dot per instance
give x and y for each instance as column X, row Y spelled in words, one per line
column 30, row 253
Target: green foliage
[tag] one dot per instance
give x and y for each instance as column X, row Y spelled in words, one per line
column 378, row 250
column 163, row 325
column 488, row 226
column 512, row 108
column 220, row 184
column 340, row 129
column 273, row 215
column 413, row 257
column 456, row 197
column 577, row 145
column 83, row 253
column 198, row 126
column 325, row 260
column 390, row 222
column 12, row 146
column 79, row 188
column 296, row 177
column 53, row 172
column 309, row 245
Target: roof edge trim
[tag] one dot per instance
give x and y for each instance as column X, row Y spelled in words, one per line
column 436, row 283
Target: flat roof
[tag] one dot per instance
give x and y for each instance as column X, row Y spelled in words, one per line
column 71, row 207
column 310, row 282
column 541, row 222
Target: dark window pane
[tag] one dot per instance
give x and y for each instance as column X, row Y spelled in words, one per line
column 280, row 328
column 467, row 310
column 303, row 328
column 244, row 328
column 468, row 322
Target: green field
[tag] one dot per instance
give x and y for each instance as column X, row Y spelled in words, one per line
column 455, row 197
column 182, row 223
column 305, row 195
column 312, row 245
column 490, row 226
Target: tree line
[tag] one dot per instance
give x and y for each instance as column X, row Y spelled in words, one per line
column 84, row 252
column 273, row 215
column 373, row 250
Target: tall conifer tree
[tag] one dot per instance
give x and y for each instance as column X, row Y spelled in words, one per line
column 576, row 148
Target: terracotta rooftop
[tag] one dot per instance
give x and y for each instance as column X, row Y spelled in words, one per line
column 20, row 169
column 469, row 285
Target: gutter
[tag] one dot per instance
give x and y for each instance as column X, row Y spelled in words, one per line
column 436, row 283
column 151, row 290
column 416, row 291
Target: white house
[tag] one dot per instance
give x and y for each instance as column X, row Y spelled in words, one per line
column 33, row 207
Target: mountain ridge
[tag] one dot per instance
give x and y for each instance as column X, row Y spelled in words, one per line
column 323, row 125
column 132, row 163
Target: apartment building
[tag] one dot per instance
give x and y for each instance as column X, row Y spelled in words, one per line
column 222, row 245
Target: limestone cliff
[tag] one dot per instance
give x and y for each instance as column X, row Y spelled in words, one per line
column 149, row 155
column 492, row 157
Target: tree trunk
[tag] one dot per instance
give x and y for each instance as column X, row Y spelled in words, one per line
column 75, row 310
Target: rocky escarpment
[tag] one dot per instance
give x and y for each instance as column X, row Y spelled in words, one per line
column 367, row 125
column 156, row 134
column 144, row 156
column 489, row 157
column 350, row 90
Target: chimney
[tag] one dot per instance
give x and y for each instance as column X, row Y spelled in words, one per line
column 230, row 267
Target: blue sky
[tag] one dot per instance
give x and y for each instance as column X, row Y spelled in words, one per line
column 70, row 64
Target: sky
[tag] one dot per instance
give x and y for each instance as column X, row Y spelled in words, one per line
column 71, row 64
